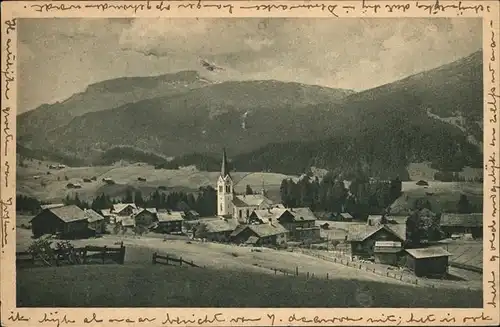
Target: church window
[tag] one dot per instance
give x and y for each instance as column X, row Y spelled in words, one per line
column 241, row 213
column 228, row 188
column 248, row 212
column 221, row 207
column 221, row 189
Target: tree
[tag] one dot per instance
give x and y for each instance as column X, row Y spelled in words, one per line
column 422, row 224
column 249, row 190
column 139, row 199
column 463, row 205
column 395, row 189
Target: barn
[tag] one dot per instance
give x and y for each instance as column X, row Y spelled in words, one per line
column 429, row 262
column 461, row 224
column 68, row 222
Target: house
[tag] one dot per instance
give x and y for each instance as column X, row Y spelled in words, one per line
column 108, row 180
column 66, row 221
column 469, row 223
column 431, row 261
column 127, row 223
column 61, row 166
column 124, row 209
column 146, row 217
column 73, row 185
column 141, row 179
column 387, row 252
column 169, row 221
column 96, row 222
column 106, row 213
column 218, row 230
column 300, row 222
column 375, row 220
column 87, row 180
column 362, row 237
column 260, row 234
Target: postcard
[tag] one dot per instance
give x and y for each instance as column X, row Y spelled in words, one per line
column 250, row 163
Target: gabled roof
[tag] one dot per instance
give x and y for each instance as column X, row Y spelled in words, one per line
column 430, row 252
column 250, row 200
column 164, row 216
column 220, row 225
column 252, row 240
column 92, row 215
column 106, row 212
column 266, row 214
column 117, row 208
column 345, row 215
column 360, row 232
column 266, row 230
column 462, row 220
column 50, row 206
column 302, row 214
column 67, row 214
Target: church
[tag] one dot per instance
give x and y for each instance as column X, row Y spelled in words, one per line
column 236, row 206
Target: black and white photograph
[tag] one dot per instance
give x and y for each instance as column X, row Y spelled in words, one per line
column 249, row 162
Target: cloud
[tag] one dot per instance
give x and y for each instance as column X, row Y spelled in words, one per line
column 344, row 53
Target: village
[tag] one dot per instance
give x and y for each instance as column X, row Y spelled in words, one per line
column 380, row 245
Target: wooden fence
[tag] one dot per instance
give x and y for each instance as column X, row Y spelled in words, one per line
column 169, row 260
column 466, row 267
column 395, row 274
column 82, row 255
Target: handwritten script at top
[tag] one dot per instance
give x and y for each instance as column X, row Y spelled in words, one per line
column 332, row 8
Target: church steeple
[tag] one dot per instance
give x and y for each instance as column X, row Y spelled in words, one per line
column 224, row 171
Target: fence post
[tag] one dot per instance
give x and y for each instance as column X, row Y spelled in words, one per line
column 297, row 271
column 192, row 263
column 122, row 254
column 275, row 271
column 180, row 261
column 154, row 258
column 104, row 253
column 326, row 276
column 84, row 254
column 307, row 275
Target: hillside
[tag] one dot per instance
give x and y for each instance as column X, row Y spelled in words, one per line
column 243, row 115
column 288, row 127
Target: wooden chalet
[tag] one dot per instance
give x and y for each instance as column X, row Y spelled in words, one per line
column 260, row 234
column 96, row 222
column 387, row 252
column 124, row 209
column 219, row 230
column 169, row 221
column 362, row 238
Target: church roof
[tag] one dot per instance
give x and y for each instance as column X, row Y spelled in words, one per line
column 250, row 200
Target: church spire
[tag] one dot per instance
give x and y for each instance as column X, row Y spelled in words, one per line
column 224, row 171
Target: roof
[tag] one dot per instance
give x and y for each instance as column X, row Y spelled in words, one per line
column 49, row 206
column 164, row 216
column 360, row 232
column 193, row 213
column 250, row 200
column 266, row 230
column 152, row 210
column 92, row 215
column 345, row 215
column 67, row 214
column 462, row 220
column 120, row 206
column 106, row 212
column 221, row 225
column 430, row 252
column 266, row 214
column 302, row 214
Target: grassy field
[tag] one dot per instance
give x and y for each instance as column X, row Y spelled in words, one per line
column 423, row 170
column 165, row 286
column 443, row 196
column 127, row 176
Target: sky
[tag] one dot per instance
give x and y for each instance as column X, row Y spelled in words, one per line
column 62, row 56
